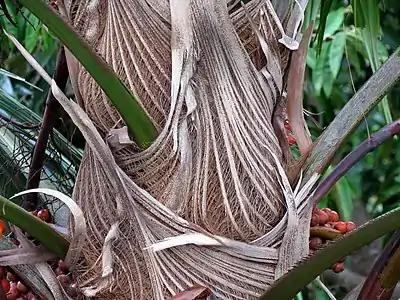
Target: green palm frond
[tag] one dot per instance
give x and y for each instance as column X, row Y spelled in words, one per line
column 17, row 144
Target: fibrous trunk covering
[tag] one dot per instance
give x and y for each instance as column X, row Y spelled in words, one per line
column 199, row 71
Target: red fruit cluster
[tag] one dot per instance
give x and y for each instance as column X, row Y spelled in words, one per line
column 61, row 269
column 43, row 214
column 323, row 217
column 290, row 138
column 327, row 218
column 13, row 287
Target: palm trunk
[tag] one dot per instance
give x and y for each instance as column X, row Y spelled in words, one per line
column 201, row 73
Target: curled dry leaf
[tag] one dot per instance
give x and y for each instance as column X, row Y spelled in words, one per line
column 79, row 234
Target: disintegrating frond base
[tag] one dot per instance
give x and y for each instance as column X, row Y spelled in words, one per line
column 208, row 203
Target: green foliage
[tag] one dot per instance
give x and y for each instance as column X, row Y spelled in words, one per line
column 332, row 77
column 366, row 16
column 311, row 12
column 323, row 21
column 39, row 43
column 325, row 59
column 62, row 159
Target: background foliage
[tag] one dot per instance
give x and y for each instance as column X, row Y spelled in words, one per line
column 353, row 45
column 341, row 68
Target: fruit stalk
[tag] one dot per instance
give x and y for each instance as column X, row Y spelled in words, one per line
column 375, row 285
column 49, row 118
column 354, row 157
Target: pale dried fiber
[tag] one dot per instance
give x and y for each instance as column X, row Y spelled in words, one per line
column 43, row 268
column 210, row 84
column 26, row 253
column 79, row 225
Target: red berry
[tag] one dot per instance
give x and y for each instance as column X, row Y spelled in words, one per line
column 2, row 272
column 34, row 212
column 333, row 216
column 21, row 287
column 350, row 226
column 338, row 267
column 315, row 243
column 291, row 140
column 322, row 217
column 44, row 215
column 72, row 291
column 11, row 276
column 341, row 226
column 314, row 220
column 5, row 284
column 63, row 266
column 287, row 125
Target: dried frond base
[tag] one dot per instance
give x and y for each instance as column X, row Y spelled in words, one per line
column 210, row 84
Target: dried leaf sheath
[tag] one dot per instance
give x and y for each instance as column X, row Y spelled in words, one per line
column 141, row 57
column 213, row 162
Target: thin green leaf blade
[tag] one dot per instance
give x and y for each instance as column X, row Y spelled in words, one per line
column 40, row 230
column 325, row 7
column 336, row 53
column 334, row 22
column 321, row 75
column 310, row 13
column 32, row 33
column 345, row 200
column 352, row 55
column 367, row 17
